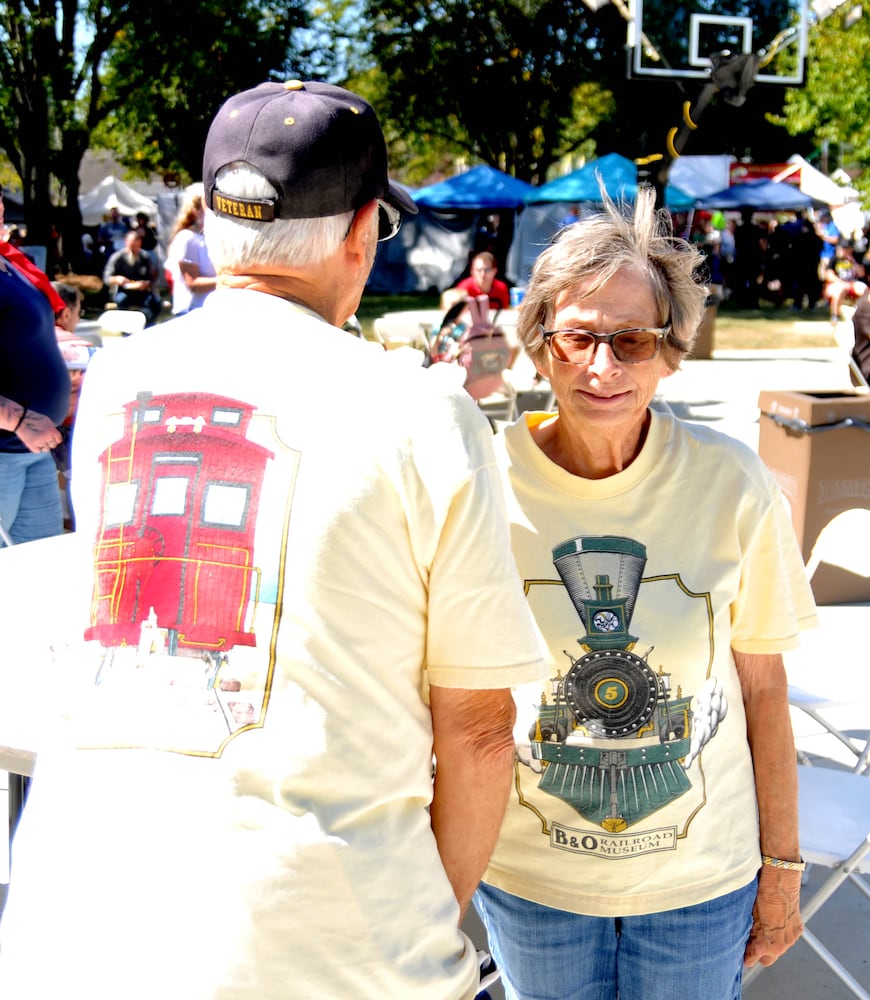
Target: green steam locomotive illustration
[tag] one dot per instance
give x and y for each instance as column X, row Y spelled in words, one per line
column 611, row 738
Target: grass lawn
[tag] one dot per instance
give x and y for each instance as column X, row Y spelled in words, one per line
column 750, row 329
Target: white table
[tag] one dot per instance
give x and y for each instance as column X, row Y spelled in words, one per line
column 37, row 580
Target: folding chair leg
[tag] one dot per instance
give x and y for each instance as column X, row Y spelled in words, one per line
column 840, row 875
column 847, row 871
column 839, row 971
column 845, row 740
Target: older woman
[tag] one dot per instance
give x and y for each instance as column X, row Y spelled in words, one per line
column 650, row 848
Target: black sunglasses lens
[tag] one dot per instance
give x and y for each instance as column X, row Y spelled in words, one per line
column 389, row 221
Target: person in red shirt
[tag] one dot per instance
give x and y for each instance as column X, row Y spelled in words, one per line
column 483, row 281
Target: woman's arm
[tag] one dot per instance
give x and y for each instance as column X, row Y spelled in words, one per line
column 776, row 923
column 195, row 281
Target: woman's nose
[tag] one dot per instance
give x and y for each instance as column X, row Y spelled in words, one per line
column 603, row 361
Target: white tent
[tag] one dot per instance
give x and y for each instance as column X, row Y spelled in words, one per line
column 112, row 192
column 845, row 202
column 821, row 187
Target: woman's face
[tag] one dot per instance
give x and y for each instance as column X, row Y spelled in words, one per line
column 605, row 396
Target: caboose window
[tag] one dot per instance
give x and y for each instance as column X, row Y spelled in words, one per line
column 222, row 416
column 120, row 502
column 153, row 415
column 225, row 504
column 170, row 495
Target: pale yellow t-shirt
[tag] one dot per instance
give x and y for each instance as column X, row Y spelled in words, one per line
column 634, row 787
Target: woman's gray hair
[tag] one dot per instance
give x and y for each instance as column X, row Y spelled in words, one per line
column 240, row 245
column 605, row 242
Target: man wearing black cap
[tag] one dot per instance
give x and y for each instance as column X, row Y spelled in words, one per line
column 301, row 592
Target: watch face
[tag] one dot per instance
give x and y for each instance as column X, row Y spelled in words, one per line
column 606, row 621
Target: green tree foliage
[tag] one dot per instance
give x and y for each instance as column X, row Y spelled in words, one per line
column 150, row 67
column 175, row 63
column 517, row 84
column 834, row 106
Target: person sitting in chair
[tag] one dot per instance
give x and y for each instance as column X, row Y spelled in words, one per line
column 483, row 281
column 844, row 280
column 131, row 277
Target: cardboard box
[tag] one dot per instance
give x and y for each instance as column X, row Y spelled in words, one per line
column 817, row 444
column 702, row 349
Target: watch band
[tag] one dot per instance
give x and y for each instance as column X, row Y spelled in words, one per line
column 792, row 866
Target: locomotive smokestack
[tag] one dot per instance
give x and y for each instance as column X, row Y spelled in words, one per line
column 600, row 568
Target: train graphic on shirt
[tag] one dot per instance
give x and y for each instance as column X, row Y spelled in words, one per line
column 177, row 586
column 611, row 738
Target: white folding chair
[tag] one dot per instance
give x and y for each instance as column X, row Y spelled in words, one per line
column 834, row 834
column 844, row 335
column 821, row 710
column 403, row 329
column 843, row 542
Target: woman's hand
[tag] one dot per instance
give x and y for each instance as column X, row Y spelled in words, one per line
column 776, row 916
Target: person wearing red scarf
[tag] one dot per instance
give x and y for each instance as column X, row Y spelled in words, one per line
column 34, row 399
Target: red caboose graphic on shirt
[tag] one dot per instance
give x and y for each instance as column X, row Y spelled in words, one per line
column 181, row 491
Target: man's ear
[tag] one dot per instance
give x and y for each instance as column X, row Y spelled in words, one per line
column 360, row 235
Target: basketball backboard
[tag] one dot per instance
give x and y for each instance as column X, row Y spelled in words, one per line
column 675, row 39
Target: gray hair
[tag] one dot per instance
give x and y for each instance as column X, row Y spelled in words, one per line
column 255, row 247
column 605, row 242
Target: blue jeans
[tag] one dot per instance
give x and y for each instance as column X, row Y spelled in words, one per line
column 547, row 954
column 30, row 501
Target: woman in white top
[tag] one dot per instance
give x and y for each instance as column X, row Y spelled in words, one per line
column 188, row 262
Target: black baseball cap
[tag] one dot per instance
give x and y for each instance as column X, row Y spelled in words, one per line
column 320, row 146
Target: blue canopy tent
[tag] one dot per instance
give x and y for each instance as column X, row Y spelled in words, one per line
column 546, row 206
column 433, row 249
column 481, row 187
column 760, row 195
column 619, row 176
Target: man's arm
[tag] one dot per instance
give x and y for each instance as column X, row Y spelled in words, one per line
column 776, row 918
column 109, row 275
column 35, row 429
column 474, row 755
